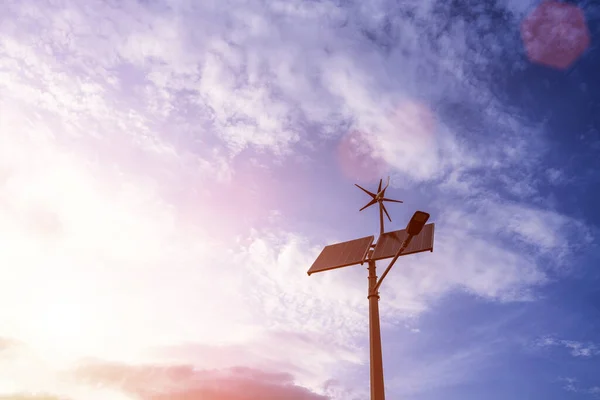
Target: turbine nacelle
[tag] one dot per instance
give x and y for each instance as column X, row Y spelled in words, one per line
column 379, row 197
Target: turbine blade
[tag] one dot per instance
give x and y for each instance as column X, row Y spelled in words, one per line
column 394, row 201
column 379, row 188
column 365, row 190
column 386, row 213
column 369, row 204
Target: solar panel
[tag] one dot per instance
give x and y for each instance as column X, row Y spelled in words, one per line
column 342, row 254
column 389, row 243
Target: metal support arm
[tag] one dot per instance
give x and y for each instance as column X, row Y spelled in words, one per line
column 398, row 254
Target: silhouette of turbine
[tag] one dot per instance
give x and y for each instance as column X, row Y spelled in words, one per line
column 379, row 198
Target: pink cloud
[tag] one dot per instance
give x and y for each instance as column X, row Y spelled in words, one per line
column 29, row 397
column 183, row 382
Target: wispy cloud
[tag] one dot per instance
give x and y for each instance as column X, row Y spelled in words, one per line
column 581, row 351
column 576, row 349
column 574, row 385
column 569, row 384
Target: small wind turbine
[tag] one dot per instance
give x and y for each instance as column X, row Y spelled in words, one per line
column 358, row 251
column 379, row 198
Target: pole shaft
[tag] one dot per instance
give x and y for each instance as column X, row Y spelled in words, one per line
column 377, row 384
column 381, row 227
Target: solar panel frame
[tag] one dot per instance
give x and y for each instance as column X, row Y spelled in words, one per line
column 389, row 243
column 342, row 254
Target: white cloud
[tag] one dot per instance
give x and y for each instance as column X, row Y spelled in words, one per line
column 575, row 348
column 570, row 384
column 256, row 74
column 490, row 249
column 574, row 385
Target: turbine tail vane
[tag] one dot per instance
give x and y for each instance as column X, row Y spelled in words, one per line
column 386, row 185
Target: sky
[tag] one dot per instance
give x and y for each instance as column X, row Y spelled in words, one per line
column 170, row 169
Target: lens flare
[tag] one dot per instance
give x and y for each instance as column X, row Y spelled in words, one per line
column 555, row 34
column 358, row 159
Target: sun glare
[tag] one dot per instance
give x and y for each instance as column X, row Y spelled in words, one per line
column 61, row 331
column 63, row 322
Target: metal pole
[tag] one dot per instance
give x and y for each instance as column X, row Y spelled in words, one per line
column 381, row 228
column 377, row 384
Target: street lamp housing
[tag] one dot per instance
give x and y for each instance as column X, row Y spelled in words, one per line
column 416, row 223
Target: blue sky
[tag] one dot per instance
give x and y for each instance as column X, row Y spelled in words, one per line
column 170, row 169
